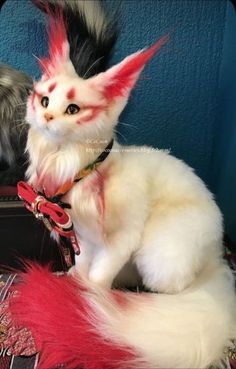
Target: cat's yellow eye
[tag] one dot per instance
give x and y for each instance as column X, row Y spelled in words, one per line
column 72, row 109
column 45, row 101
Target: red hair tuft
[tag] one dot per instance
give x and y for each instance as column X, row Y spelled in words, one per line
column 57, row 41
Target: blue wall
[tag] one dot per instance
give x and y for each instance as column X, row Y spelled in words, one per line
column 176, row 103
column 225, row 149
column 22, row 34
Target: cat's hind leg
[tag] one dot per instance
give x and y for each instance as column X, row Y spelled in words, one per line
column 177, row 242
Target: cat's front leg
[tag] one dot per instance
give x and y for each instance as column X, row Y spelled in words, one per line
column 31, row 175
column 110, row 259
column 83, row 260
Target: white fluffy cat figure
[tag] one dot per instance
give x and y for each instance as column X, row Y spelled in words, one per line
column 136, row 209
column 150, row 209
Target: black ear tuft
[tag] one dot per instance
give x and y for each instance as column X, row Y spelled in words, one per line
column 91, row 32
column 234, row 3
column 1, row 3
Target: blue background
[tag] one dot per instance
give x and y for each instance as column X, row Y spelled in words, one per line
column 186, row 95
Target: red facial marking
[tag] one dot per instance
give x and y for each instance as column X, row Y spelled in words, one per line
column 33, row 96
column 52, row 87
column 38, row 94
column 33, row 99
column 71, row 94
column 92, row 115
column 100, row 106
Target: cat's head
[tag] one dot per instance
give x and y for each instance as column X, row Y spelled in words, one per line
column 67, row 107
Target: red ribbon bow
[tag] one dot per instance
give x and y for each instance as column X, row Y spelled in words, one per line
column 54, row 217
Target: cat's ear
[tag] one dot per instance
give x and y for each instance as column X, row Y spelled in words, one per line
column 121, row 78
column 58, row 60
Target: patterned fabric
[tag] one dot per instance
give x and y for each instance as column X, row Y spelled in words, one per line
column 17, row 350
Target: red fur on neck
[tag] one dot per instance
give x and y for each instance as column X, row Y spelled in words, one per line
column 47, row 184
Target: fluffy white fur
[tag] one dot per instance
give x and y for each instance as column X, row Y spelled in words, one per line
column 157, row 213
column 186, row 330
column 141, row 209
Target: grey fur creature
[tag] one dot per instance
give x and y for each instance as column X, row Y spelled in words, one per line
column 15, row 87
column 92, row 33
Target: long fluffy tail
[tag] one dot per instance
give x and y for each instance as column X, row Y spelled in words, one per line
column 79, row 325
column 91, row 32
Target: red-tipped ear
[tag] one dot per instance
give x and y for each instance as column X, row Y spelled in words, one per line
column 120, row 79
column 57, row 44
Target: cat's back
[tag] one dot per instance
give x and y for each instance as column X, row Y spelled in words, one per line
column 165, row 175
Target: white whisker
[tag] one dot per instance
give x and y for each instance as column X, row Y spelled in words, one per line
column 36, row 57
column 40, row 63
column 20, row 104
column 118, row 133
column 20, row 124
column 91, row 66
column 18, row 120
column 127, row 124
column 21, row 132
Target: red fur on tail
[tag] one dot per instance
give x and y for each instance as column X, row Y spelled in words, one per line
column 56, row 311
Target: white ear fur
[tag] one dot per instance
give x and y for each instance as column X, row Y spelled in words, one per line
column 108, row 82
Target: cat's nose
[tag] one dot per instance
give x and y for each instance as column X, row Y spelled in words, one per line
column 48, row 116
